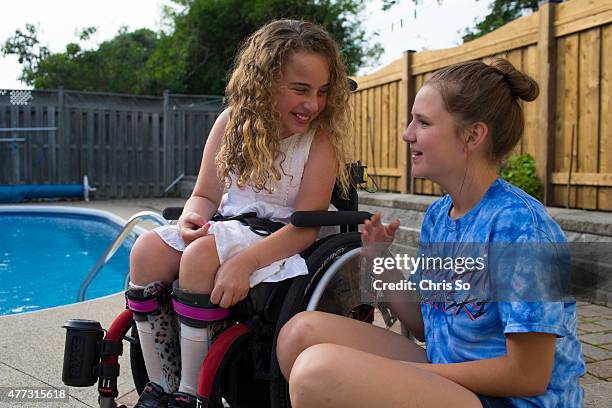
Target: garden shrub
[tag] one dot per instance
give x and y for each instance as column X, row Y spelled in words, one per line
column 520, row 170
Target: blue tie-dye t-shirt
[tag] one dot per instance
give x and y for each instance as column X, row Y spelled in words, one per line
column 476, row 330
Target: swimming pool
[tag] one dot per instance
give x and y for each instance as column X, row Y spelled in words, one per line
column 46, row 252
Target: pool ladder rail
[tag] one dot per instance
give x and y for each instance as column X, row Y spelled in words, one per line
column 110, row 251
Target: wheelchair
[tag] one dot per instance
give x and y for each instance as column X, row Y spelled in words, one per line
column 240, row 369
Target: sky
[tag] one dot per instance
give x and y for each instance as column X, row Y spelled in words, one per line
column 404, row 26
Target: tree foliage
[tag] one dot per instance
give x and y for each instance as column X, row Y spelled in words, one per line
column 194, row 56
column 500, row 12
column 115, row 66
column 208, row 33
column 28, row 49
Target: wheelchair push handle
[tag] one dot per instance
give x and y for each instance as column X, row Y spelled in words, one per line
column 172, row 213
column 328, row 218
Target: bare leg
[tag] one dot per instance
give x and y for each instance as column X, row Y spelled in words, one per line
column 199, row 265
column 198, row 268
column 307, row 329
column 153, row 260
column 329, row 375
column 153, row 267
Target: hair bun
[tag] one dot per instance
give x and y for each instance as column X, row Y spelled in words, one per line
column 521, row 85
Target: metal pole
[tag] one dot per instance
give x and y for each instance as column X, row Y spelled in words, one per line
column 116, row 244
column 176, row 180
column 27, row 129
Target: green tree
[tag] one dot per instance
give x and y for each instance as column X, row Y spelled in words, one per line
column 28, row 49
column 208, row 33
column 115, row 66
column 500, row 12
column 194, row 55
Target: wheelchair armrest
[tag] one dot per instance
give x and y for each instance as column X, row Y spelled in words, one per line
column 172, row 213
column 328, row 218
column 302, row 218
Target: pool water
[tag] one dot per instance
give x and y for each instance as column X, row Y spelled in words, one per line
column 44, row 257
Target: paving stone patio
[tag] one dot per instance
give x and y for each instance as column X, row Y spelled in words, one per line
column 595, row 332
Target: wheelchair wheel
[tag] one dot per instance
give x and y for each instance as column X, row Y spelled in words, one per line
column 343, row 289
column 334, row 285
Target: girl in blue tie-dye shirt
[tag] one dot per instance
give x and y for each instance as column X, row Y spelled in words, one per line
column 513, row 347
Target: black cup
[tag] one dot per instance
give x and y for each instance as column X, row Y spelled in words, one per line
column 81, row 352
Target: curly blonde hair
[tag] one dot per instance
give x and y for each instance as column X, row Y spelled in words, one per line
column 251, row 142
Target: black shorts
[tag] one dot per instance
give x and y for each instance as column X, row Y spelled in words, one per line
column 491, row 402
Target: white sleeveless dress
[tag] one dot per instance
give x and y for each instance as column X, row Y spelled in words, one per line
column 232, row 237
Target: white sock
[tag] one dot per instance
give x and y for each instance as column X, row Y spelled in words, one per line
column 194, row 346
column 149, row 353
column 160, row 344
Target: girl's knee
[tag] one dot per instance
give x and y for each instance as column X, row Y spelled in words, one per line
column 297, row 330
column 312, row 372
column 197, row 255
column 151, row 259
column 199, row 264
column 293, row 338
column 145, row 245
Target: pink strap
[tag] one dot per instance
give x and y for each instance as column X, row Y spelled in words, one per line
column 198, row 313
column 142, row 306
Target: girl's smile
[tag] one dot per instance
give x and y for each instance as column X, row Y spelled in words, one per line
column 302, row 118
column 302, row 94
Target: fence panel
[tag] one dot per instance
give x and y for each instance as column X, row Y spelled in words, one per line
column 583, row 72
column 120, row 142
column 566, row 47
column 604, row 197
column 588, row 117
column 377, row 119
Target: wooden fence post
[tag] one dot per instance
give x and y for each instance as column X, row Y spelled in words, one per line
column 405, row 105
column 546, row 112
column 58, row 136
column 14, row 146
column 167, row 149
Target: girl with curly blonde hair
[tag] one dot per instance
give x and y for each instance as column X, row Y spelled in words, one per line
column 278, row 148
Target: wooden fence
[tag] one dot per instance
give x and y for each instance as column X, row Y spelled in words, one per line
column 567, row 48
column 128, row 146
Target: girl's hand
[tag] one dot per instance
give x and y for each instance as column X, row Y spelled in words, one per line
column 192, row 226
column 376, row 237
column 232, row 282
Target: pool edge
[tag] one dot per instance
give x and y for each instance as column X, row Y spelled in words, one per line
column 119, row 221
